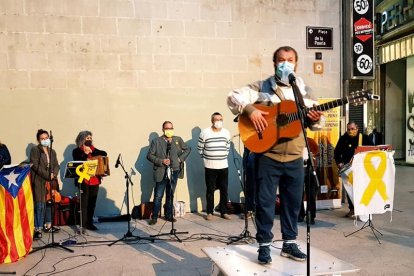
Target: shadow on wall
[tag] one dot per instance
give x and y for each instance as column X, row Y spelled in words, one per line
column 28, row 149
column 195, row 173
column 68, row 184
column 144, row 167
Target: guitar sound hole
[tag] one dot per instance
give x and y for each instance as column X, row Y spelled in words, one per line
column 282, row 120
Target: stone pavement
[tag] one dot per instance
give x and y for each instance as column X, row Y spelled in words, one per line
column 93, row 256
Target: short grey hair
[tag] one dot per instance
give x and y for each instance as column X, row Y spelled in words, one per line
column 80, row 139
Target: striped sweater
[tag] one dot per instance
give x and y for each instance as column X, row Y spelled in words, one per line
column 214, row 148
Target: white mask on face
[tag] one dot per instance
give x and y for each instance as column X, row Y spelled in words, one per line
column 218, row 124
column 45, row 142
column 284, row 69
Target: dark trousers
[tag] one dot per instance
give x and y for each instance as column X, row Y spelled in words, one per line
column 217, row 179
column 249, row 180
column 313, row 191
column 270, row 175
column 88, row 201
column 169, row 189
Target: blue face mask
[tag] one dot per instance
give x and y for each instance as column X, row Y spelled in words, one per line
column 45, row 143
column 283, row 70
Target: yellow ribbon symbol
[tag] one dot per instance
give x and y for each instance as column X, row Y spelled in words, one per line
column 376, row 183
column 86, row 170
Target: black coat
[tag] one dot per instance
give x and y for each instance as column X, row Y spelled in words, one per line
column 345, row 148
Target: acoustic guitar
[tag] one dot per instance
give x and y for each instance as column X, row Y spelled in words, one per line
column 283, row 120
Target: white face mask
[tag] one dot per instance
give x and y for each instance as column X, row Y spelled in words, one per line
column 218, row 124
column 45, row 143
column 284, row 69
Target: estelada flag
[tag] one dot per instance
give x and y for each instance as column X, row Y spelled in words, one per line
column 16, row 213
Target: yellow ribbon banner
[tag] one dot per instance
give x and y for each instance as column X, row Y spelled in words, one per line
column 376, row 183
column 86, row 170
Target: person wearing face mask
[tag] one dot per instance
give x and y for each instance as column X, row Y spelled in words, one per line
column 41, row 158
column 166, row 153
column 214, row 146
column 345, row 149
column 282, row 165
column 89, row 188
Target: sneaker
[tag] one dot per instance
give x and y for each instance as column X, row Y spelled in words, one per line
column 264, row 254
column 37, row 235
column 225, row 216
column 152, row 222
column 350, row 214
column 291, row 250
column 209, row 217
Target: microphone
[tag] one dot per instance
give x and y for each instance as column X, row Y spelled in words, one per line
column 292, row 78
column 118, row 161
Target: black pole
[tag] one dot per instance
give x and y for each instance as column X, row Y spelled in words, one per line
column 302, row 111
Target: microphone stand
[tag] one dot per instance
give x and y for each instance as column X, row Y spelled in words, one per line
column 170, row 173
column 53, row 244
column 245, row 234
column 128, row 234
column 301, row 112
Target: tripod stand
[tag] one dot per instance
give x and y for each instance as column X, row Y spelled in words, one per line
column 53, row 244
column 369, row 224
column 245, row 234
column 128, row 181
column 172, row 177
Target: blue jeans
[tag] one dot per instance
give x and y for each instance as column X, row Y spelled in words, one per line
column 40, row 217
column 289, row 176
column 159, row 193
column 249, row 179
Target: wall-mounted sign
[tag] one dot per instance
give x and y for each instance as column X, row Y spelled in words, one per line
column 319, row 38
column 362, row 39
column 395, row 15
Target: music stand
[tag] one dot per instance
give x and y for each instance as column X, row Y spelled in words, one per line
column 369, row 224
column 53, row 244
column 128, row 181
column 70, row 172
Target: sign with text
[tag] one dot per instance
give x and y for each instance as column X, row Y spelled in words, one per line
column 319, row 38
column 362, row 39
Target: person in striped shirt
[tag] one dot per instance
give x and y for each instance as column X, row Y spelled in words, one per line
column 214, row 146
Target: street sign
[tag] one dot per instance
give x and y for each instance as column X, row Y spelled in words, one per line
column 319, row 38
column 362, row 39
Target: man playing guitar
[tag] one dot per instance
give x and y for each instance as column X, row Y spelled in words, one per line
column 281, row 164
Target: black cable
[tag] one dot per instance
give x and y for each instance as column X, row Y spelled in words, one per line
column 60, row 271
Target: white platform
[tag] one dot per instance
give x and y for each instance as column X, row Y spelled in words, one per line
column 242, row 260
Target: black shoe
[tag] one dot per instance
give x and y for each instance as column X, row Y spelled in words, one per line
column 37, row 235
column 264, row 254
column 152, row 222
column 301, row 219
column 291, row 250
column 312, row 221
column 53, row 229
column 91, row 227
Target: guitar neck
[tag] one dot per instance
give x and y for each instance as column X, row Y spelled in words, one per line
column 329, row 105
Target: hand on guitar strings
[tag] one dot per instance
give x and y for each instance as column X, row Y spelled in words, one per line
column 314, row 115
column 258, row 119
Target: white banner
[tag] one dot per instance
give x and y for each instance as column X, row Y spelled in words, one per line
column 370, row 182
